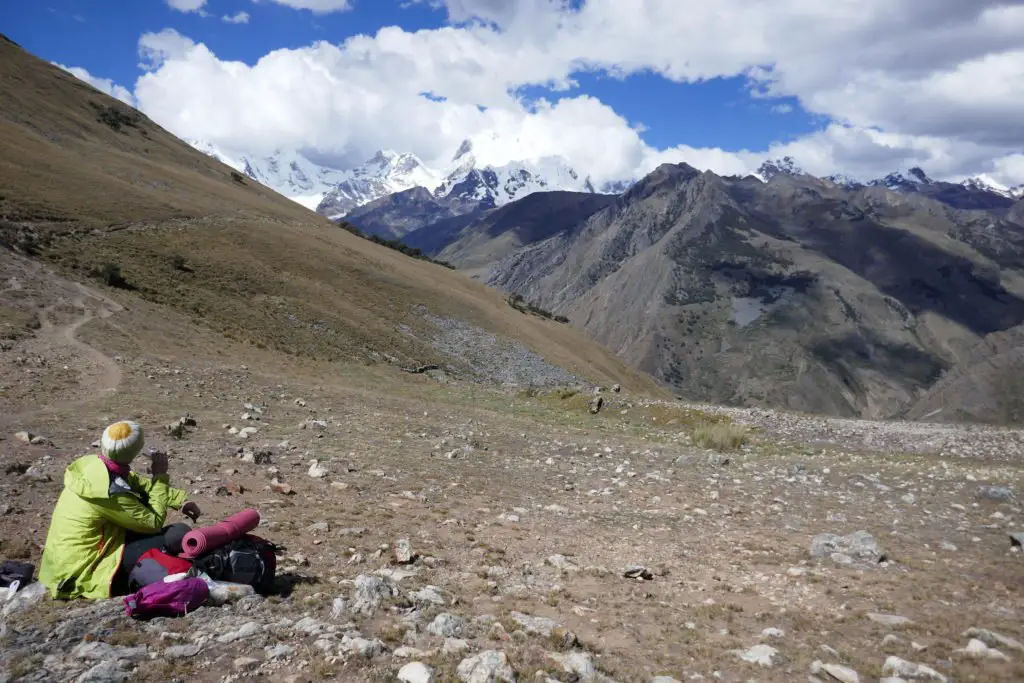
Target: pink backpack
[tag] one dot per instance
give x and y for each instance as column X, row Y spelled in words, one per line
column 175, row 599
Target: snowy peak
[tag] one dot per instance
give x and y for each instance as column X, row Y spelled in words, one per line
column 384, row 173
column 493, row 186
column 909, row 179
column 784, row 166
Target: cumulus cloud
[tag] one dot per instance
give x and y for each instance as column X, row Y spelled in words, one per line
column 186, row 5
column 317, row 6
column 239, row 18
column 898, row 82
column 104, row 85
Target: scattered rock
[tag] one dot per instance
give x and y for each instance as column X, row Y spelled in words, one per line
column 338, row 608
column 361, row 646
column 993, row 639
column 316, row 470
column 428, row 595
column 416, row 672
column 447, row 626
column 978, row 650
column 860, row 545
column 454, row 647
column 24, row 437
column 280, row 651
column 96, row 650
column 579, row 663
column 894, row 666
column 1017, row 539
column 245, row 663
column 638, row 572
column 369, row 593
column 181, row 651
column 246, row 630
column 1000, row 494
column 835, row 672
column 107, row 671
column 616, row 388
column 596, row 404
column 763, row 655
column 403, row 552
column 490, row 666
column 246, row 432
column 891, row 620
column 562, row 562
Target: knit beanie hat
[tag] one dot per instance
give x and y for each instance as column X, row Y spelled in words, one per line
column 122, row 441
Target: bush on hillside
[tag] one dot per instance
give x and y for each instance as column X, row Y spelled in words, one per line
column 110, row 275
column 517, row 302
column 397, row 245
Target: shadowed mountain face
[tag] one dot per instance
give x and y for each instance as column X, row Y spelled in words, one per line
column 793, row 292
column 480, row 239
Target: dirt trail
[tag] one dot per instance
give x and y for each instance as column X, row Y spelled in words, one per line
column 52, row 333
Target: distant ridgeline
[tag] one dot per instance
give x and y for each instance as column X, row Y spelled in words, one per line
column 397, row 245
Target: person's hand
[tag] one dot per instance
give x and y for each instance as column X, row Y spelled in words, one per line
column 158, row 463
column 191, row 510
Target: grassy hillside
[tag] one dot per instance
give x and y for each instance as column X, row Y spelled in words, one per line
column 95, row 187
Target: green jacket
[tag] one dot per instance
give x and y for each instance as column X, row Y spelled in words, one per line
column 87, row 532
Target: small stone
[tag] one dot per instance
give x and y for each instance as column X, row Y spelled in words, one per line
column 280, row 651
column 1017, row 539
column 892, row 620
column 319, row 528
column 447, row 625
column 843, row 674
column 596, row 404
column 579, row 663
column 562, row 563
column 489, row 666
column 428, row 595
column 406, row 652
column 403, row 552
column 245, row 663
column 246, row 432
column 946, row 545
column 247, row 630
column 894, row 666
column 993, row 639
column 762, row 655
column 107, row 671
column 772, row 632
column 369, row 592
column 976, row 649
column 454, row 647
column 316, row 470
column 181, row 651
column 361, row 646
column 416, row 672
column 891, row 640
column 859, row 546
column 638, row 572
column 338, row 608
column 24, row 437
column 616, row 388
column 1000, row 494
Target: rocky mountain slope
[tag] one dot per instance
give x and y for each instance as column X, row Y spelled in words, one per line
column 796, row 292
column 486, row 237
column 99, row 191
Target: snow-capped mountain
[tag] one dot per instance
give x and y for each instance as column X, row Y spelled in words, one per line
column 336, row 192
column 973, row 193
column 384, row 174
column 286, row 172
column 467, row 182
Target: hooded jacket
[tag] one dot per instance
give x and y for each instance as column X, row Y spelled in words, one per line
column 87, row 533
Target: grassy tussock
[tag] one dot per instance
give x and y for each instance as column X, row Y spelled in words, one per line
column 720, row 436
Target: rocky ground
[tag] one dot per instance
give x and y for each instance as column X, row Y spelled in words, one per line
column 453, row 532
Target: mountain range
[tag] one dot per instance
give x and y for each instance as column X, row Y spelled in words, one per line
column 886, row 299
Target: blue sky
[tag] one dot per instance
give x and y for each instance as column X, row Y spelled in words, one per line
column 666, row 81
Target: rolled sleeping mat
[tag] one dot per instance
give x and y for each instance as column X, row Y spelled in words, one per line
column 199, row 541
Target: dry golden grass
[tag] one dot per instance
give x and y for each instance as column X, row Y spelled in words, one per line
column 720, row 436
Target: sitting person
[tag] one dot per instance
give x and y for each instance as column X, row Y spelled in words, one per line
column 107, row 516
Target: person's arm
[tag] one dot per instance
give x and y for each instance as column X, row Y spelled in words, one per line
column 176, row 497
column 128, row 511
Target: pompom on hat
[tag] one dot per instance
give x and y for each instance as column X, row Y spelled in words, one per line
column 122, row 441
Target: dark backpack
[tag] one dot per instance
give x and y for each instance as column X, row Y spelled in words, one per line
column 250, row 560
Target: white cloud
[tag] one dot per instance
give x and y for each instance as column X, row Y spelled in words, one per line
column 104, row 85
column 317, row 6
column 782, row 109
column 187, row 5
column 239, row 18
column 936, row 84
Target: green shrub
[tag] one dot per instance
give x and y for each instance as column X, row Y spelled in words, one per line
column 110, row 275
